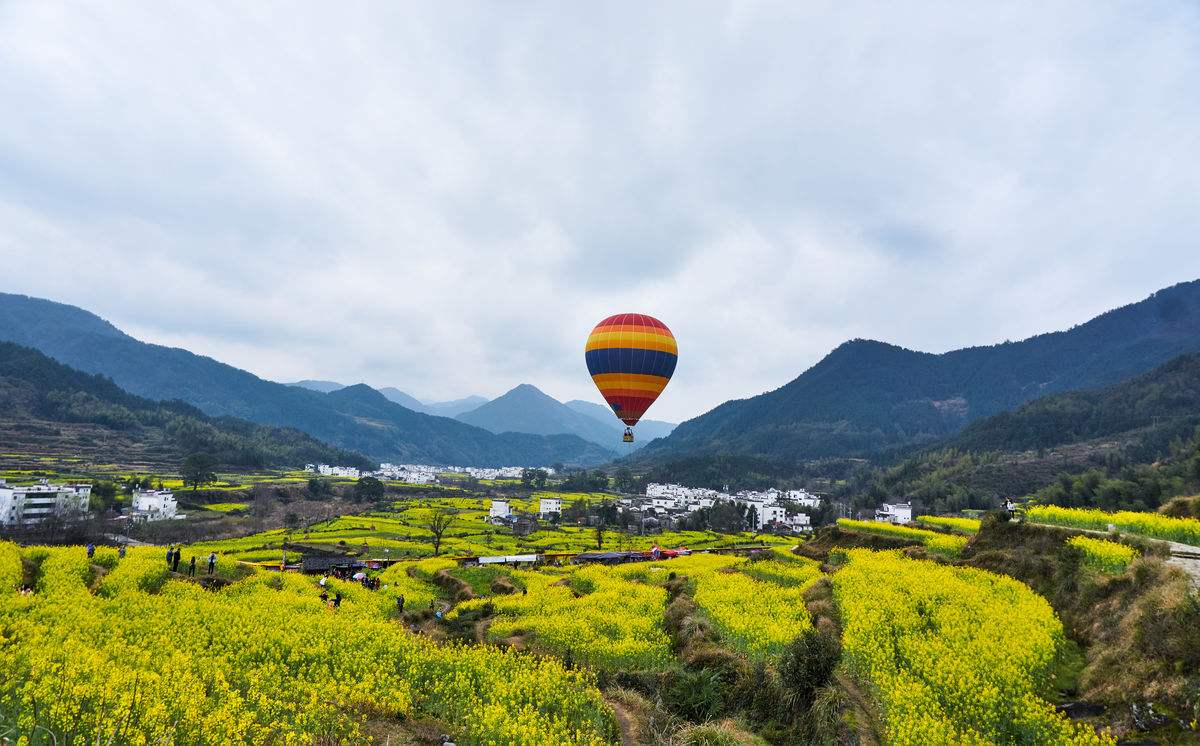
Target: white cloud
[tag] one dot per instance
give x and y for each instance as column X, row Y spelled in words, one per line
column 446, row 199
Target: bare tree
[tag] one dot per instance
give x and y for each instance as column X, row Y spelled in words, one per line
column 440, row 521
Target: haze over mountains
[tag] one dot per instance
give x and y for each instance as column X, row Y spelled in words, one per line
column 524, row 409
column 356, row 417
column 404, row 399
column 49, row 408
column 868, row 397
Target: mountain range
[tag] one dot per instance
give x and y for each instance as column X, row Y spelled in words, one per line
column 868, row 398
column 1127, row 431
column 524, row 409
column 355, row 417
column 49, row 408
column 404, row 399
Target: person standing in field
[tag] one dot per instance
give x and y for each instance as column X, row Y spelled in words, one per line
column 91, row 550
column 170, row 555
column 175, row 560
column 212, row 562
column 400, row 604
column 192, row 567
column 121, row 552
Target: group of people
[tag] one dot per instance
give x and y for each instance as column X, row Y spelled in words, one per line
column 174, row 554
column 91, row 551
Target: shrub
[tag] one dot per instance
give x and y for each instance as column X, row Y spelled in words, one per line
column 807, row 665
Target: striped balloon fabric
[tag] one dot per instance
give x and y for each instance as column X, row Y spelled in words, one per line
column 631, row 357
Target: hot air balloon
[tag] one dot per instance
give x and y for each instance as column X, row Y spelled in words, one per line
column 631, row 357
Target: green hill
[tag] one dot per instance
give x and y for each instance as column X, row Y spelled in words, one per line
column 1130, row 445
column 369, row 424
column 48, row 407
column 866, row 398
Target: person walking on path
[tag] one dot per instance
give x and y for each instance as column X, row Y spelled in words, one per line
column 400, row 604
column 192, row 567
column 121, row 552
column 212, row 562
column 170, row 555
column 91, row 550
column 175, row 560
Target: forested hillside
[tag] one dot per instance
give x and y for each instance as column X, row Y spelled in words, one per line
column 1132, row 445
column 47, row 407
column 348, row 417
column 867, row 397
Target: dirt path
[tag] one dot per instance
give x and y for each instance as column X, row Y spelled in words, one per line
column 626, row 722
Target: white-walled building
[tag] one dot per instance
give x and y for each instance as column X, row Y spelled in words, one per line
column 894, row 513
column 326, row 470
column 410, row 473
column 26, row 505
column 499, row 509
column 154, row 505
column 804, row 499
column 548, row 505
column 769, row 505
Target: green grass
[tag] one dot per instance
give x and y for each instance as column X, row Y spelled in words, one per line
column 226, row 507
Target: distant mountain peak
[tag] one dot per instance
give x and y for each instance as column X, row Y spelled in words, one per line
column 323, row 387
column 526, row 389
column 356, row 417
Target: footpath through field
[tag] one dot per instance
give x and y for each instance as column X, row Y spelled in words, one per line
column 1184, row 556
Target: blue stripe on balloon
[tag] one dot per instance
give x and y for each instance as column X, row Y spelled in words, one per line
column 631, row 360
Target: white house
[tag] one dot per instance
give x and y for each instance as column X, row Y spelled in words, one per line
column 499, row 509
column 768, row 514
column 154, row 505
column 548, row 505
column 33, row 503
column 804, row 499
column 894, row 513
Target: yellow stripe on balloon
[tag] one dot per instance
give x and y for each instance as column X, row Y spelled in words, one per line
column 631, row 381
column 643, row 341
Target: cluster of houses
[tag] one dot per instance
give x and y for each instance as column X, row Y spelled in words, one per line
column 504, row 472
column 327, row 470
column 421, row 473
column 772, row 509
column 409, row 473
column 501, row 514
column 664, row 506
column 26, row 505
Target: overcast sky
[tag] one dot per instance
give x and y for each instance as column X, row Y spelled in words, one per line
column 446, row 197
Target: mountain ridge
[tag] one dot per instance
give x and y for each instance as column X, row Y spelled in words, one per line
column 86, row 342
column 527, row 409
column 868, row 397
column 92, row 411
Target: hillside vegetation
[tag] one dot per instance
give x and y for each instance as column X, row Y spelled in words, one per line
column 356, row 417
column 1132, row 445
column 868, row 397
column 46, row 407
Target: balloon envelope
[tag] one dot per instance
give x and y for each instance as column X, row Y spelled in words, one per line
column 631, row 357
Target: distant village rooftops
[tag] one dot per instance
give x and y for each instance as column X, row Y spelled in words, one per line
column 771, row 507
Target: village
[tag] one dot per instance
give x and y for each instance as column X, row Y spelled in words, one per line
column 423, row 473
